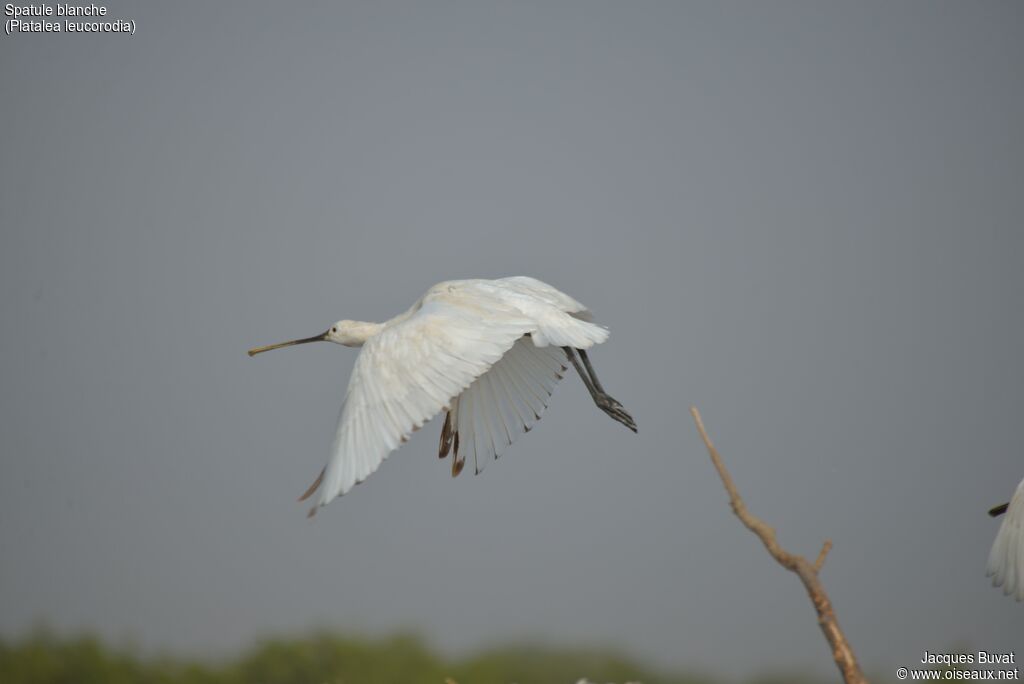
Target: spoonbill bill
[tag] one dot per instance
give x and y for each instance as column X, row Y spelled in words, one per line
column 1006, row 560
column 487, row 352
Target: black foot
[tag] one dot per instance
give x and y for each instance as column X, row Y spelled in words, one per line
column 615, row 411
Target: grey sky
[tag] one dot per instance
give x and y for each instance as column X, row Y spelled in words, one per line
column 803, row 217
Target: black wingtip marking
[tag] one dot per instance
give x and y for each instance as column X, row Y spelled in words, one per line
column 446, row 437
column 313, row 487
column 457, row 466
column 458, row 463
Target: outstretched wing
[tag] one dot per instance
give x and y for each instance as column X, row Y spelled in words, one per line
column 407, row 373
column 501, row 404
column 1006, row 560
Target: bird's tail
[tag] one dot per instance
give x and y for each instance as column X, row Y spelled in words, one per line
column 559, row 329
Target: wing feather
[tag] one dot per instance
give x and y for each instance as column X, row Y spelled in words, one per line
column 407, row 373
column 531, row 398
column 506, row 401
column 486, row 443
column 506, row 386
column 497, row 409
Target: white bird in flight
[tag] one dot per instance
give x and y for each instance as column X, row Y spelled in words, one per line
column 1006, row 560
column 488, row 352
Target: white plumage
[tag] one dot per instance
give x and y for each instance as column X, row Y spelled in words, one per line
column 1006, row 560
column 487, row 351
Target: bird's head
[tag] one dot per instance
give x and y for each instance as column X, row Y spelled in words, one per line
column 346, row 333
column 351, row 333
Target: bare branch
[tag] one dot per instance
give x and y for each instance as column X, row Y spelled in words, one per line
column 820, row 560
column 842, row 652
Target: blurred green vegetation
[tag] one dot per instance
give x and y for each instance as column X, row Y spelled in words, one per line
column 320, row 658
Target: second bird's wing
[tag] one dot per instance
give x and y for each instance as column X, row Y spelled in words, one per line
column 1006, row 560
column 406, row 374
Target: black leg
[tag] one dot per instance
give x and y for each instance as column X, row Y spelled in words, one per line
column 582, row 373
column 590, row 370
column 603, row 400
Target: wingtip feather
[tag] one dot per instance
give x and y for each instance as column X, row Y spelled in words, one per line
column 313, row 487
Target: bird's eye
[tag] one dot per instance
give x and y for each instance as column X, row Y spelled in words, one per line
column 334, row 329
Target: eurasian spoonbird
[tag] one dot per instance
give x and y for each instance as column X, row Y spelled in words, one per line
column 488, row 352
column 1006, row 560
